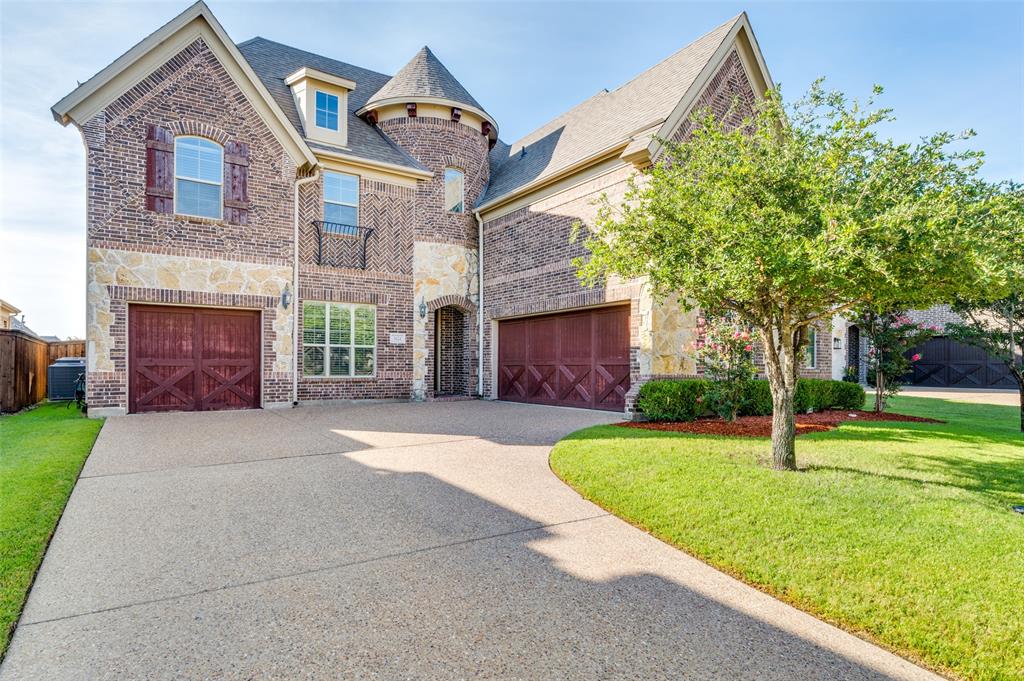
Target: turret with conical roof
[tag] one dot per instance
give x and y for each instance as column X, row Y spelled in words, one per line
column 429, row 114
column 425, row 83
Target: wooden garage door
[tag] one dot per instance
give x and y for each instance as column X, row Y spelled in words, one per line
column 948, row 364
column 575, row 359
column 192, row 359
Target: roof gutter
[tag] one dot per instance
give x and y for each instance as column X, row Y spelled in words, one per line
column 554, row 177
column 480, row 303
column 299, row 182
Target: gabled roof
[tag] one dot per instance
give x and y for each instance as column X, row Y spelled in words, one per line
column 425, row 79
column 126, row 71
column 628, row 115
column 273, row 62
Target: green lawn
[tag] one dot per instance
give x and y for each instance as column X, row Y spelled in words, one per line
column 41, row 454
column 902, row 532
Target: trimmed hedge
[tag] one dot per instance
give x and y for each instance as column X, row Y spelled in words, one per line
column 683, row 399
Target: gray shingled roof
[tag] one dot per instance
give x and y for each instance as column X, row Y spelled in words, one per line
column 602, row 121
column 425, row 76
column 273, row 62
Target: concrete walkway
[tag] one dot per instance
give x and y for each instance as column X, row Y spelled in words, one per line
column 387, row 541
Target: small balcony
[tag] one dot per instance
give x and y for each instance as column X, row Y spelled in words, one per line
column 339, row 245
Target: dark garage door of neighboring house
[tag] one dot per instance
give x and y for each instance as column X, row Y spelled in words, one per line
column 575, row 359
column 948, row 364
column 192, row 359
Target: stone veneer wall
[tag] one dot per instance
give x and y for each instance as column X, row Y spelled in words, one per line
column 136, row 255
column 445, row 274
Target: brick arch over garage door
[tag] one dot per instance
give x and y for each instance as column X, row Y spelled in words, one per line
column 573, row 359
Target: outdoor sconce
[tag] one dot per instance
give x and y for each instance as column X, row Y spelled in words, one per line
column 837, row 343
column 423, row 308
column 286, row 297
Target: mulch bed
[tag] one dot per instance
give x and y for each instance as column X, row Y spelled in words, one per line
column 761, row 426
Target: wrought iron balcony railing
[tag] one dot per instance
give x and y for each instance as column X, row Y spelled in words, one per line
column 339, row 245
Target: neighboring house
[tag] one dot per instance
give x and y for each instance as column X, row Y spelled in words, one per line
column 268, row 226
column 944, row 363
column 8, row 314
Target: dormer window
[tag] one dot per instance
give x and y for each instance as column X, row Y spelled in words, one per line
column 322, row 101
column 326, row 110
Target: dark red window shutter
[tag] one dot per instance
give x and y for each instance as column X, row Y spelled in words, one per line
column 159, row 169
column 236, row 182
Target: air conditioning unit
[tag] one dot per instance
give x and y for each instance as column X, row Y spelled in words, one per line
column 61, row 377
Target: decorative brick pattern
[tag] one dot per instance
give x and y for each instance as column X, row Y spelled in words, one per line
column 440, row 144
column 727, row 87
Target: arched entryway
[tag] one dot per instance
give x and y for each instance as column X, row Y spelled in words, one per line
column 451, row 348
column 451, row 369
column 853, row 350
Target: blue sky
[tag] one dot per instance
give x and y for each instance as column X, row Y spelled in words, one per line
column 945, row 66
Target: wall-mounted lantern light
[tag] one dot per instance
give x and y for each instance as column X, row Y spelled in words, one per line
column 286, row 297
column 837, row 343
column 423, row 308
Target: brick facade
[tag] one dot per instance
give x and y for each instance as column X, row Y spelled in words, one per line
column 529, row 251
column 191, row 94
column 440, row 144
column 417, row 255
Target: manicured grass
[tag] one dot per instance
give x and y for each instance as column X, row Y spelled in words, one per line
column 901, row 532
column 41, row 454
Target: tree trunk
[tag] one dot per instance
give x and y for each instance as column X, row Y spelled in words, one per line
column 781, row 367
column 783, row 431
column 879, row 389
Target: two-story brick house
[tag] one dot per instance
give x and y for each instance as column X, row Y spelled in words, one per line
column 268, row 226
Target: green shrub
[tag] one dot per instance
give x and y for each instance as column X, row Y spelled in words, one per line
column 672, row 400
column 758, row 399
column 684, row 399
column 848, row 396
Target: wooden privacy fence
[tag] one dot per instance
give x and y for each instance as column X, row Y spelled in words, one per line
column 23, row 362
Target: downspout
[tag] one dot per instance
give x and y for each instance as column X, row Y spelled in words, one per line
column 480, row 303
column 295, row 285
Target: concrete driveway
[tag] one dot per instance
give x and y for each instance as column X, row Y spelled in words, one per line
column 385, row 541
column 1009, row 398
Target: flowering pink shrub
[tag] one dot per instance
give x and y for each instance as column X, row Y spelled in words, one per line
column 891, row 336
column 723, row 351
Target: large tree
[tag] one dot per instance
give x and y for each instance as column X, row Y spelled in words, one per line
column 795, row 215
column 995, row 322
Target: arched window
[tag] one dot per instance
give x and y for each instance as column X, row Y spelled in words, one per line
column 454, row 183
column 198, row 177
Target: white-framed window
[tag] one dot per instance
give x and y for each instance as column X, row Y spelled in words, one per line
column 454, row 190
column 341, row 199
column 811, row 349
column 198, row 177
column 338, row 339
column 326, row 110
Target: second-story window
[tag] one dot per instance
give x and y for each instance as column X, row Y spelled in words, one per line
column 198, row 177
column 326, row 110
column 341, row 199
column 454, row 189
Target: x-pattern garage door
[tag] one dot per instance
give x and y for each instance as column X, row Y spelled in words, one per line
column 576, row 359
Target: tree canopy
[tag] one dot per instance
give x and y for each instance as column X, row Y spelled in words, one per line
column 796, row 214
